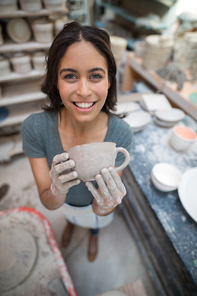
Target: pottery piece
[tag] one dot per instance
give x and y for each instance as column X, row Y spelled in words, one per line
column 21, row 63
column 38, row 60
column 30, row 5
column 4, row 67
column 165, row 177
column 42, row 30
column 54, row 5
column 182, row 137
column 157, row 50
column 118, row 47
column 19, row 30
column 59, row 24
column 8, row 6
column 91, row 158
column 19, row 251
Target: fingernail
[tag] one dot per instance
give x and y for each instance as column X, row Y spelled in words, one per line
column 118, row 199
column 75, row 174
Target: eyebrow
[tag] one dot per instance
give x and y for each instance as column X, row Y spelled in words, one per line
column 74, row 71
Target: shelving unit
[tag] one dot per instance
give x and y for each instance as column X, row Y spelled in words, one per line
column 78, row 10
column 127, row 15
column 21, row 94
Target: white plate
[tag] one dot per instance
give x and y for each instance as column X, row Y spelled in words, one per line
column 19, row 30
column 172, row 115
column 138, row 119
column 127, row 107
column 187, row 191
column 154, row 102
column 167, row 174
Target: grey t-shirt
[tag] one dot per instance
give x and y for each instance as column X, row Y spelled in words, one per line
column 41, row 139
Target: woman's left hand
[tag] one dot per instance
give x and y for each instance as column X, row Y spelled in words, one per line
column 110, row 191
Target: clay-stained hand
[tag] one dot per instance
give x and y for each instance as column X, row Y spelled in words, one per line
column 61, row 174
column 111, row 188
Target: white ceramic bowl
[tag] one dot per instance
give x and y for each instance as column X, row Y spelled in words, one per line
column 160, row 186
column 170, row 115
column 138, row 119
column 182, row 137
column 167, row 175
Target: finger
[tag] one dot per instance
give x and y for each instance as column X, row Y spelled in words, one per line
column 102, row 186
column 112, row 187
column 64, row 188
column 61, row 179
column 61, row 167
column 60, row 158
column 117, row 180
column 94, row 192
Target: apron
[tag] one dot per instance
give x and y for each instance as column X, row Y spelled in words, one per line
column 85, row 217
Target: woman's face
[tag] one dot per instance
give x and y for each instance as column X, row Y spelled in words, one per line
column 83, row 81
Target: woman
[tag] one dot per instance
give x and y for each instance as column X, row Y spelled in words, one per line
column 81, row 86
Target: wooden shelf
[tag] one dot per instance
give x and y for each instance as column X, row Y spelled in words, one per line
column 24, row 13
column 179, row 98
column 35, row 96
column 10, row 46
column 16, row 76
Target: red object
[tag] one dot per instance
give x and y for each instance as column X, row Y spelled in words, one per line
column 54, row 246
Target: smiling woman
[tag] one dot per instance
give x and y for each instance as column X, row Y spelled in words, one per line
column 81, row 87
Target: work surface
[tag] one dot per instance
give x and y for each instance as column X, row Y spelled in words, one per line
column 151, row 146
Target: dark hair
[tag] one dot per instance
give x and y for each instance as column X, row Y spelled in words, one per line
column 71, row 33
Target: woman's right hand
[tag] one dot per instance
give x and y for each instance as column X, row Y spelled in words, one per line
column 61, row 174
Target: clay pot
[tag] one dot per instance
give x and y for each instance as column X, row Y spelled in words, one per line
column 42, row 30
column 30, row 5
column 38, row 60
column 4, row 67
column 21, row 63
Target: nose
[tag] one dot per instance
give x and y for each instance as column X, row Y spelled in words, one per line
column 83, row 89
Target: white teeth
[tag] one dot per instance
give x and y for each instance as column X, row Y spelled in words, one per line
column 84, row 105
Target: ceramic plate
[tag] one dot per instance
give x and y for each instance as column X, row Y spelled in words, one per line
column 138, row 119
column 127, row 107
column 187, row 191
column 172, row 115
column 167, row 174
column 19, row 30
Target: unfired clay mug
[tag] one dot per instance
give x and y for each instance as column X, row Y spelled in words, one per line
column 91, row 158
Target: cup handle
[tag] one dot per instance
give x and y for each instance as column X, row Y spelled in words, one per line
column 127, row 158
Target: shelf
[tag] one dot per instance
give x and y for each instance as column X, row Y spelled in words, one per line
column 35, row 96
column 10, row 46
column 23, row 13
column 18, row 114
column 16, row 76
column 128, row 16
column 179, row 98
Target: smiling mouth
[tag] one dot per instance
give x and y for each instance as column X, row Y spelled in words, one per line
column 83, row 105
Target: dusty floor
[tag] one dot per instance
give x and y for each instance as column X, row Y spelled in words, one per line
column 118, row 262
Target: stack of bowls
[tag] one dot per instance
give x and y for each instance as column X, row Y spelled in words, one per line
column 168, row 117
column 138, row 120
column 182, row 138
column 118, row 47
column 165, row 177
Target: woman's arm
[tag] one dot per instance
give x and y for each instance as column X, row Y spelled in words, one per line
column 53, row 185
column 40, row 171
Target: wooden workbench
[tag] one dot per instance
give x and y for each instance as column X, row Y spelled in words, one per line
column 134, row 70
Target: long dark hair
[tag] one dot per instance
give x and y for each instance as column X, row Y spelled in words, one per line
column 71, row 33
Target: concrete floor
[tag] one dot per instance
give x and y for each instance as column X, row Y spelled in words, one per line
column 118, row 262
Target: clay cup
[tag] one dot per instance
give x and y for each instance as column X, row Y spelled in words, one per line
column 91, row 158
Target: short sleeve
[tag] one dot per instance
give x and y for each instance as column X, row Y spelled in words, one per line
column 32, row 141
column 125, row 142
